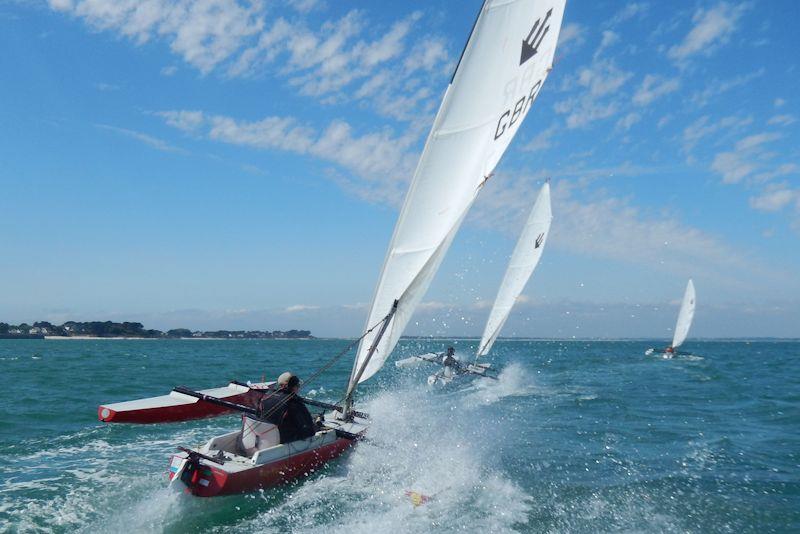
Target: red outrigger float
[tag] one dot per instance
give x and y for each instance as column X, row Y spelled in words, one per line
column 177, row 406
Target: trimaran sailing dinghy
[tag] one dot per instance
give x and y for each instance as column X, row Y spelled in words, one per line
column 524, row 259
column 499, row 75
column 685, row 317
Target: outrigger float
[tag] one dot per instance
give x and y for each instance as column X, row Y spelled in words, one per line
column 492, row 90
column 177, row 406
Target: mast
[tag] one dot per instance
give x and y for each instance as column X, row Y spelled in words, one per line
column 355, row 376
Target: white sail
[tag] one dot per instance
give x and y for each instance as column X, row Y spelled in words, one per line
column 685, row 316
column 501, row 71
column 524, row 259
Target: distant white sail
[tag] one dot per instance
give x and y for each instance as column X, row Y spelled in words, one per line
column 524, row 259
column 685, row 316
column 502, row 69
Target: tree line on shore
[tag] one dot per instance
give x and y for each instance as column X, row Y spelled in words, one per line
column 133, row 329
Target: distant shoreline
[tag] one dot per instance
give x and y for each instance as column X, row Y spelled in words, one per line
column 90, row 338
column 133, row 330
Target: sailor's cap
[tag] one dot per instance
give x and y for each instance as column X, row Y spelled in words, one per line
column 284, row 378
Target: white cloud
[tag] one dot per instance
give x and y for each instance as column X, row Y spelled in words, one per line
column 704, row 127
column 541, row 141
column 779, row 102
column 598, row 97
column 631, row 10
column 336, row 61
column 732, row 166
column 717, row 87
column 203, row 33
column 158, row 144
column 781, row 170
column 654, row 87
column 749, row 156
column 102, row 86
column 304, row 6
column 378, row 164
column 169, row 70
column 188, row 121
column 628, row 120
column 572, row 36
column 782, row 120
column 774, row 198
column 61, row 5
column 300, row 308
column 756, row 140
column 590, row 221
column 602, row 77
column 282, row 133
column 712, row 28
column 583, row 111
column 609, row 39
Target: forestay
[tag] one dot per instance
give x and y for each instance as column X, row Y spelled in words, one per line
column 685, row 316
column 501, row 71
column 524, row 259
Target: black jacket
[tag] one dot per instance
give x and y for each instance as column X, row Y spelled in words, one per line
column 291, row 416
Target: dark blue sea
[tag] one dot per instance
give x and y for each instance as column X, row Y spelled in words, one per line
column 575, row 436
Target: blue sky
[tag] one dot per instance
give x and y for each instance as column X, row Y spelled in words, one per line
column 225, row 164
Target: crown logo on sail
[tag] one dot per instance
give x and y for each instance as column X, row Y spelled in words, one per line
column 530, row 45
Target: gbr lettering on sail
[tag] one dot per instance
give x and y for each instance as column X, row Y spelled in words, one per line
column 521, row 91
column 515, row 113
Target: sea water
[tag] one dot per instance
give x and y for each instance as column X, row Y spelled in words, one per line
column 575, row 436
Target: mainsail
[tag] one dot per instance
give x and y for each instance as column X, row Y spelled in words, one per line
column 685, row 316
column 490, row 94
column 524, row 259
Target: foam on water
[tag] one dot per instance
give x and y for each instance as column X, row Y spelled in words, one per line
column 100, row 485
column 418, row 441
column 514, row 380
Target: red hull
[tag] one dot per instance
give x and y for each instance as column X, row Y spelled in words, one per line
column 213, row 481
column 171, row 414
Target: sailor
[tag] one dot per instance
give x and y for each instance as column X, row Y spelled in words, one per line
column 449, row 359
column 450, row 363
column 284, row 409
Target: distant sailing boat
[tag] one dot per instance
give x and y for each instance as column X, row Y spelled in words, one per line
column 685, row 317
column 524, row 259
column 491, row 92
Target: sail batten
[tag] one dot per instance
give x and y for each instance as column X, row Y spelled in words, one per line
column 490, row 94
column 524, row 259
column 685, row 316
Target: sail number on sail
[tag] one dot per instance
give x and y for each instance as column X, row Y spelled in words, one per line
column 530, row 47
column 511, row 116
